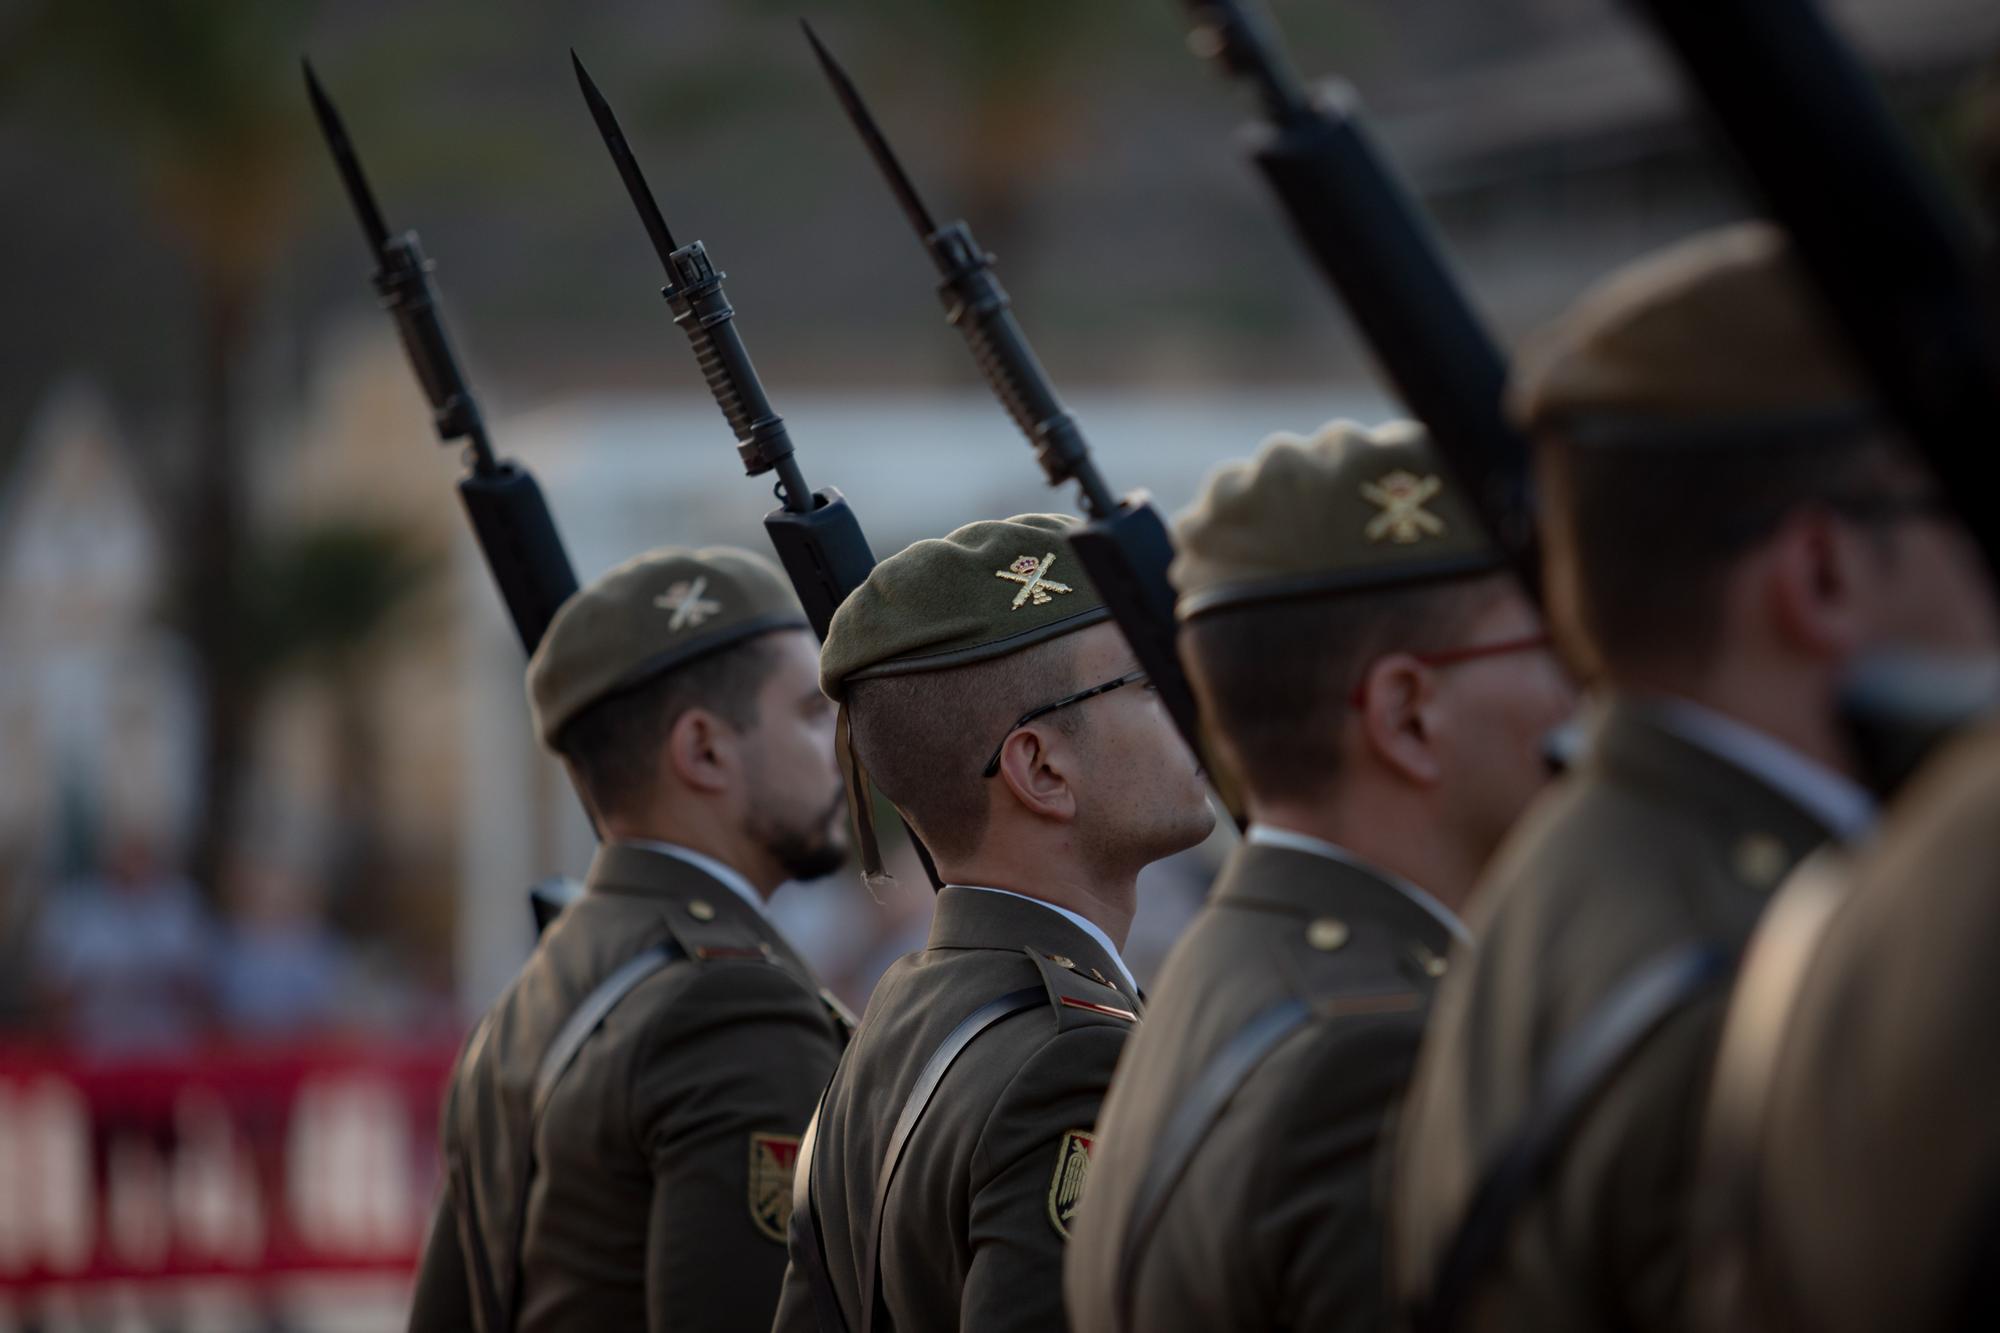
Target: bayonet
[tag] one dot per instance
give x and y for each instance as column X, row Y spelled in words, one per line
column 508, row 514
column 1124, row 547
column 816, row 536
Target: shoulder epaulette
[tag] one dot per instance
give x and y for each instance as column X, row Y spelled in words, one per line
column 1077, row 996
column 706, row 935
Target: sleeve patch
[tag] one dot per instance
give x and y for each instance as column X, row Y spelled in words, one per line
column 772, row 1158
column 1072, row 1170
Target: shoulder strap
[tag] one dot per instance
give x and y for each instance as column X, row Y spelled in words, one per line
column 589, row 1015
column 496, row 1310
column 806, row 1248
column 1204, row 1103
column 954, row 1044
column 1583, row 1065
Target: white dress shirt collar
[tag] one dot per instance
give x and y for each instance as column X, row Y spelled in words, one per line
column 1083, row 923
column 1266, row 835
column 1835, row 800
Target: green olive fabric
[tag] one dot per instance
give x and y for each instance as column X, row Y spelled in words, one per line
column 1347, row 509
column 655, row 612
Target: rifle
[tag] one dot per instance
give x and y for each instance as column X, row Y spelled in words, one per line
column 509, row 517
column 1372, row 242
column 820, row 544
column 818, row 540
column 1902, row 276
column 1896, row 263
column 1124, row 547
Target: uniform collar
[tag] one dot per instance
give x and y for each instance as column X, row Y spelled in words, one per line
column 1266, row 835
column 1835, row 800
column 978, row 917
column 1080, row 921
column 726, row 875
column 1306, row 883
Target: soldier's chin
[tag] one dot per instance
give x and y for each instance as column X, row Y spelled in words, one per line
column 803, row 860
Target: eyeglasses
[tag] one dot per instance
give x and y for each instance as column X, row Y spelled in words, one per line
column 1129, row 678
column 1526, row 643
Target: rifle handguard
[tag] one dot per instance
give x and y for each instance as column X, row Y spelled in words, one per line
column 518, row 538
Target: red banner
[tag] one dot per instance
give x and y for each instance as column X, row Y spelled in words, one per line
column 229, row 1162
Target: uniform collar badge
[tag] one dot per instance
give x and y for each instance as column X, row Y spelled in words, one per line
column 1401, row 496
column 1033, row 576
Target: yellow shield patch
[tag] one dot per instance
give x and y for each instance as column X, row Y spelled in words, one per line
column 1072, row 1169
column 772, row 1157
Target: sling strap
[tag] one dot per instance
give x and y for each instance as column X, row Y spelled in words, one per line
column 1207, row 1097
column 953, row 1046
column 1203, row 1104
column 496, row 1312
column 1583, row 1066
column 807, row 1250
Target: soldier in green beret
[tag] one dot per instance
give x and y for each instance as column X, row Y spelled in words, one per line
column 1729, row 522
column 1380, row 688
column 622, row 1126
column 991, row 700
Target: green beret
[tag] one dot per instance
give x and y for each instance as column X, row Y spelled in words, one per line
column 1714, row 338
column 989, row 589
column 655, row 612
column 1346, row 510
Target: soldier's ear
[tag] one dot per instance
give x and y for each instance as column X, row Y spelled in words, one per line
column 1814, row 583
column 1034, row 775
column 1394, row 709
column 702, row 751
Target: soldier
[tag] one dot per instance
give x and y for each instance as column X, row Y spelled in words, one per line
column 996, row 707
column 1729, row 523
column 1381, row 687
column 1868, row 1159
column 621, row 1127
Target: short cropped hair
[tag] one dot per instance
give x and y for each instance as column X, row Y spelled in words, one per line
column 1275, row 679
column 924, row 738
column 614, row 745
column 1656, row 530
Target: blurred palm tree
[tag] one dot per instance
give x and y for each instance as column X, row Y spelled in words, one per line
column 320, row 601
column 203, row 95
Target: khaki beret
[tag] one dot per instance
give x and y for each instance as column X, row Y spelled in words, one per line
column 1720, row 330
column 655, row 612
column 988, row 589
column 1346, row 510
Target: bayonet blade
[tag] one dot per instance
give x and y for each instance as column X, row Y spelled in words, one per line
column 335, row 133
column 871, row 135
column 628, row 166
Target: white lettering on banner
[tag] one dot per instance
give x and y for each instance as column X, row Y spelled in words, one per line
column 47, row 1202
column 347, row 1162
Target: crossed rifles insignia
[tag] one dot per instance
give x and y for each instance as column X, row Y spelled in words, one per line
column 1403, row 518
column 1033, row 576
column 688, row 605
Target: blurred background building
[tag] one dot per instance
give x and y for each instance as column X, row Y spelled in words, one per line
column 269, row 784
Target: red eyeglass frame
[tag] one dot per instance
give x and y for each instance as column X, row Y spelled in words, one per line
column 1445, row 657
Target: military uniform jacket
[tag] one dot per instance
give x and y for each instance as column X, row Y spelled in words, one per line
column 1650, row 845
column 1275, row 1218
column 979, row 1208
column 659, row 1188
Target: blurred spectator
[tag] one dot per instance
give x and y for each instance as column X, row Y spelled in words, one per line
column 123, row 957
column 280, row 969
